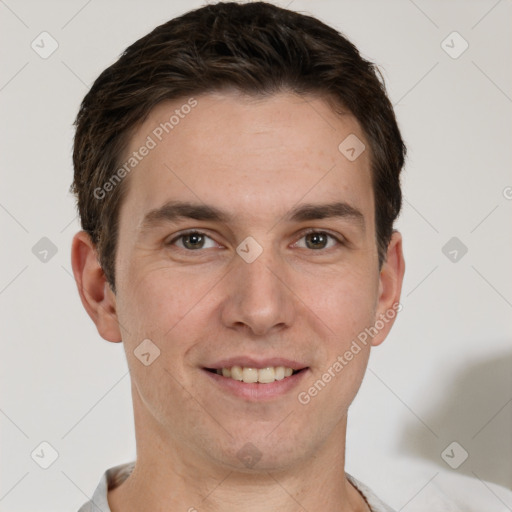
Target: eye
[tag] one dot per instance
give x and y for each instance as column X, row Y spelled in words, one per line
column 196, row 240
column 318, row 240
column 192, row 241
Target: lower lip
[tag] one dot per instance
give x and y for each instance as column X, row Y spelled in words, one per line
column 256, row 392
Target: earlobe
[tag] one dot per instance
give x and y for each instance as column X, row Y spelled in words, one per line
column 93, row 287
column 390, row 288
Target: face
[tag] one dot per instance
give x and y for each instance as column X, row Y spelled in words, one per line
column 247, row 244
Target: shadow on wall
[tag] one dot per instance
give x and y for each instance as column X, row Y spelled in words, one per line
column 473, row 424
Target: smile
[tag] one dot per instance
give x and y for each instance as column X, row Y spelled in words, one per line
column 256, row 383
column 255, row 375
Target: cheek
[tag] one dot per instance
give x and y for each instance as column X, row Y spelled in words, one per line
column 158, row 305
column 346, row 304
column 170, row 310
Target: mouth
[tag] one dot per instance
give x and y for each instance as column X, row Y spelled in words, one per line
column 256, row 381
column 252, row 375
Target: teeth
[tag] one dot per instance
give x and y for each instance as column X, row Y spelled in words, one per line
column 252, row 375
column 279, row 373
column 236, row 373
column 266, row 375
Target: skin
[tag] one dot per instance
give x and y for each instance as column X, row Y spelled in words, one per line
column 256, row 159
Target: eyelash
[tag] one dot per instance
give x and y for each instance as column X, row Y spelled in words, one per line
column 305, row 233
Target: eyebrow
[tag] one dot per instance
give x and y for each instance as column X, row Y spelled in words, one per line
column 173, row 211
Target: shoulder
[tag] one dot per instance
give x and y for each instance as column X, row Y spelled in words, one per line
column 110, row 479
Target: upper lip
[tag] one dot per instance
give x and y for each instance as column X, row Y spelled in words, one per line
column 252, row 362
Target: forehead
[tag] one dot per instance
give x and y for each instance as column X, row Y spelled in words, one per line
column 256, row 157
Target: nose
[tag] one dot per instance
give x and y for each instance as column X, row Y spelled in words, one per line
column 259, row 297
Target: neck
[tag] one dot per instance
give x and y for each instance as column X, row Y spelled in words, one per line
column 169, row 475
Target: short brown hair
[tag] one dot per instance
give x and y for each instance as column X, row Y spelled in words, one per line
column 256, row 48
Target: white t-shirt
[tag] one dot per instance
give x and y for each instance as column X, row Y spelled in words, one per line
column 113, row 477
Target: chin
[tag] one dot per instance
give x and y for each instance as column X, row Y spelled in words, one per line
column 261, row 453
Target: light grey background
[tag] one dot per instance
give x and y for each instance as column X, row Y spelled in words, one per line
column 443, row 374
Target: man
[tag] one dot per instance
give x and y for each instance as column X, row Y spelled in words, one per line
column 237, row 175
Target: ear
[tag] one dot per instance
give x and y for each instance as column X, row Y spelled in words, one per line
column 390, row 288
column 97, row 297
